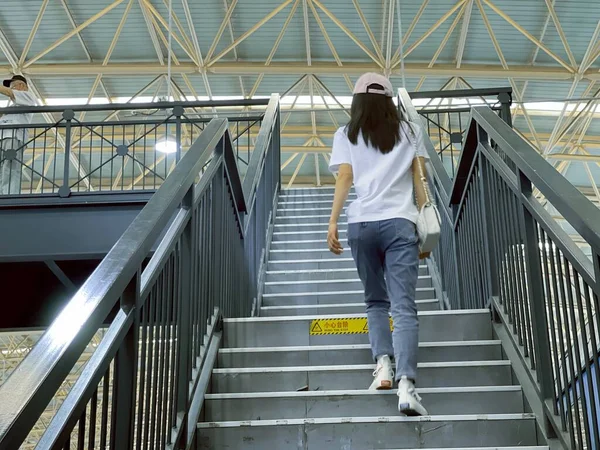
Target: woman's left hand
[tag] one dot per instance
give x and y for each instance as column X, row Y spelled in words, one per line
column 333, row 241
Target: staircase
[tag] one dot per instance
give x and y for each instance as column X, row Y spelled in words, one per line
column 279, row 385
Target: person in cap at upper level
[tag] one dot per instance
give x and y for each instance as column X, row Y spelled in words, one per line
column 13, row 140
column 377, row 152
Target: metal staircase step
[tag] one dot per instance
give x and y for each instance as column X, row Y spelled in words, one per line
column 528, row 447
column 307, row 226
column 331, row 262
column 286, row 196
column 337, row 309
column 318, row 355
column 331, row 297
column 303, row 202
column 304, row 235
column 290, row 287
column 322, row 263
column 310, row 253
column 340, row 377
column 329, row 190
column 332, row 403
column 304, row 243
column 309, row 218
column 452, row 431
column 303, row 210
column 294, row 330
column 320, row 274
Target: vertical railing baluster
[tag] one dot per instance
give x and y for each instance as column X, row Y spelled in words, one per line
column 65, row 190
column 126, row 363
column 187, row 272
column 178, row 112
column 535, row 282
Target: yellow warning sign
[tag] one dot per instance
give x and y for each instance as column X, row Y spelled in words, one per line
column 354, row 325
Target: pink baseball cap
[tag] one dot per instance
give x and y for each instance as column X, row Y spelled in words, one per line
column 363, row 85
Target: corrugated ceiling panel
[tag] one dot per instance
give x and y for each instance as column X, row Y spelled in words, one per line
column 258, row 46
column 99, row 35
column 127, row 86
column 578, row 20
column 346, row 48
column 64, row 87
column 577, row 174
column 18, row 23
column 515, row 47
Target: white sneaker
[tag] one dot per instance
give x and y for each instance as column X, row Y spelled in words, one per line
column 409, row 402
column 384, row 374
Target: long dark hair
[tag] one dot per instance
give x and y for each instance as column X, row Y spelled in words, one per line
column 378, row 120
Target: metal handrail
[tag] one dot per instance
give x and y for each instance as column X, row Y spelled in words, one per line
column 134, row 106
column 71, row 155
column 500, row 248
column 180, row 211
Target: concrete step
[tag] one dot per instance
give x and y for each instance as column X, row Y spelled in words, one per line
column 333, row 309
column 359, row 376
column 330, row 298
column 319, row 355
column 360, row 433
column 321, row 274
column 435, row 326
column 321, row 404
column 289, row 287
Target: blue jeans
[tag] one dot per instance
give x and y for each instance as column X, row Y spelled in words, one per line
column 387, row 258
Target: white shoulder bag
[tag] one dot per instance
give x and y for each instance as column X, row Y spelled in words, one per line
column 428, row 220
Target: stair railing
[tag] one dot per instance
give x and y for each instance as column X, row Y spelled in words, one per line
column 500, row 248
column 144, row 384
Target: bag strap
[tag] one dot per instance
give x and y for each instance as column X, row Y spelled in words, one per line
column 421, row 175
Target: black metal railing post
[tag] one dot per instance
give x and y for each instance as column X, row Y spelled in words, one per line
column 65, row 190
column 537, row 299
column 125, row 379
column 505, row 99
column 187, row 271
column 488, row 221
column 178, row 112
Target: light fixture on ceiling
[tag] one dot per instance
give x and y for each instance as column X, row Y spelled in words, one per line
column 166, row 145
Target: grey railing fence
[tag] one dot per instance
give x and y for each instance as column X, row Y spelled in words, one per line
column 116, row 147
column 447, row 113
column 501, row 248
column 143, row 386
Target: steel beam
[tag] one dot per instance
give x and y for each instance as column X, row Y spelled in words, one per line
column 301, row 68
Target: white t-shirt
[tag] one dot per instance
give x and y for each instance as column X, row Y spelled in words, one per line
column 383, row 182
column 22, row 98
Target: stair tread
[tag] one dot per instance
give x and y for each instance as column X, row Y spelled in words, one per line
column 385, row 419
column 333, row 305
column 317, row 348
column 349, row 316
column 338, row 270
column 527, row 447
column 343, row 280
column 325, row 293
column 364, row 392
column 347, row 367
